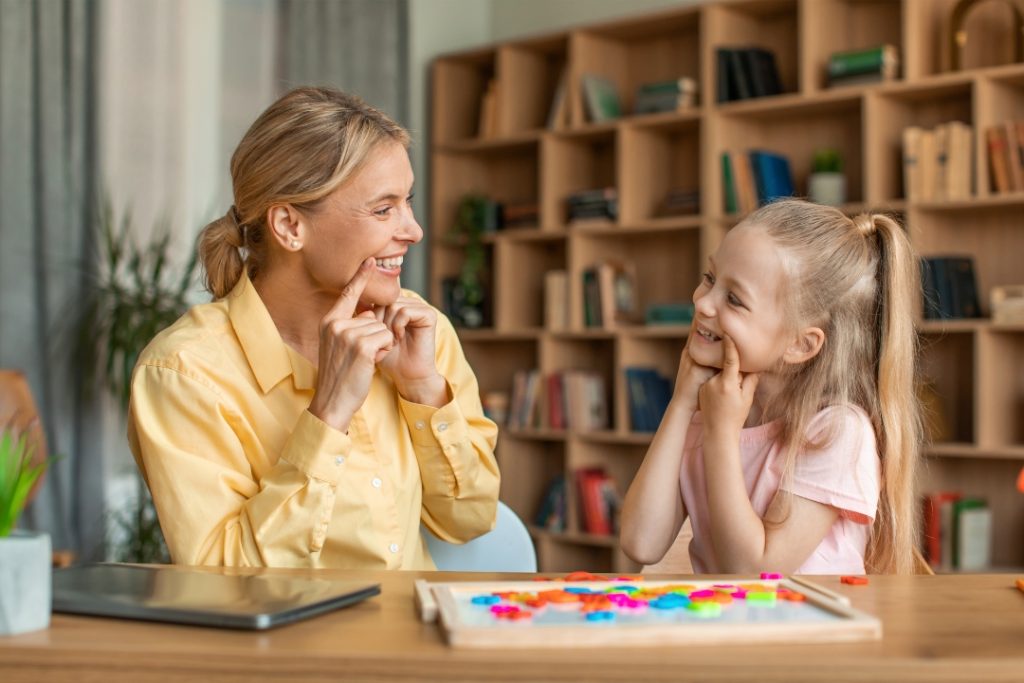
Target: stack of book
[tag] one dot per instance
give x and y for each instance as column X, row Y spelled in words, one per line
column 746, row 72
column 949, row 287
column 568, row 399
column 938, row 163
column 598, row 204
column 751, row 179
column 679, row 202
column 520, row 214
column 551, row 514
column 957, row 532
column 609, row 294
column 857, row 67
column 1006, row 156
column 676, row 95
column 599, row 501
column 648, row 393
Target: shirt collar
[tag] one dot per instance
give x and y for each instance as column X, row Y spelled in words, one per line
column 270, row 359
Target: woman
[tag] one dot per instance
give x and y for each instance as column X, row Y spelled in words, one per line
column 314, row 413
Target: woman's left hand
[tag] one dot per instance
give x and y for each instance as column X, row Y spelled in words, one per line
column 725, row 399
column 411, row 364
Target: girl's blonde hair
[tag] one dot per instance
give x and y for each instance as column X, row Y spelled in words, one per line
column 303, row 147
column 858, row 280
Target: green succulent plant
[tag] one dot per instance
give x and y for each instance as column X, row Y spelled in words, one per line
column 18, row 474
column 827, row 161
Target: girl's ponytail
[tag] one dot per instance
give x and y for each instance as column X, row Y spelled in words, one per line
column 899, row 285
column 220, row 245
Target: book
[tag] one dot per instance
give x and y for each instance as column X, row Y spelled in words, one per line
column 881, row 59
column 936, row 539
column 1014, row 163
column 912, row 162
column 558, row 114
column 617, row 292
column 746, row 72
column 556, row 300
column 660, row 96
column 960, row 161
column 972, row 532
column 772, row 175
column 927, row 166
column 729, row 185
column 998, row 158
column 551, row 514
column 591, row 299
column 950, row 288
column 488, row 121
column 601, row 98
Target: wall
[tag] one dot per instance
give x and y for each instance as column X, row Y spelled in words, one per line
column 516, row 18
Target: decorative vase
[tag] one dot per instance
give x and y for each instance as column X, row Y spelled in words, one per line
column 827, row 188
column 25, row 568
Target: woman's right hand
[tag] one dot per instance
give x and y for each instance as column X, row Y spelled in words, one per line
column 350, row 348
column 690, row 377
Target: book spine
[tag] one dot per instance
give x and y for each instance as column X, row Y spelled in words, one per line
column 859, row 62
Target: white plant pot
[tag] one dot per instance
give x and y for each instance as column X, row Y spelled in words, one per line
column 25, row 582
column 827, row 188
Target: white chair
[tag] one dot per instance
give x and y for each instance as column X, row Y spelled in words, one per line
column 505, row 548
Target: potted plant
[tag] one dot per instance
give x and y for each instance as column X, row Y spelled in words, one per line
column 466, row 299
column 827, row 184
column 136, row 295
column 25, row 557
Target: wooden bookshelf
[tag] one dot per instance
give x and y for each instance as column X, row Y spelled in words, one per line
column 976, row 367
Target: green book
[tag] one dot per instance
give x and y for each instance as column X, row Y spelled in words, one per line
column 883, row 59
column 601, row 98
column 728, row 185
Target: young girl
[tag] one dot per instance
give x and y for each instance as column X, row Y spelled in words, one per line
column 793, row 435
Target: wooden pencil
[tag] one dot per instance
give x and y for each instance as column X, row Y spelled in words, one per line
column 810, row 585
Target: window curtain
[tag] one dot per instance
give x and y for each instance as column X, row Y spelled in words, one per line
column 359, row 46
column 47, row 170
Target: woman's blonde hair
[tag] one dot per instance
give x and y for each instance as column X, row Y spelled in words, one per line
column 302, row 148
column 858, row 280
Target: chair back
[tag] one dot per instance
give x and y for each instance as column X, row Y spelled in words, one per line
column 505, row 548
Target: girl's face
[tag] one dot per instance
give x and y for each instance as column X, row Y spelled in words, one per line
column 370, row 215
column 740, row 295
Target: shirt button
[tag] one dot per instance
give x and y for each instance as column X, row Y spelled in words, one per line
column 393, row 547
column 441, row 426
column 419, row 424
column 376, row 482
column 339, row 459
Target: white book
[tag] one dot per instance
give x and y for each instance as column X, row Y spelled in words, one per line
column 974, row 536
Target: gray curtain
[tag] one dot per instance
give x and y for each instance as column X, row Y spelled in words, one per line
column 47, row 167
column 359, row 46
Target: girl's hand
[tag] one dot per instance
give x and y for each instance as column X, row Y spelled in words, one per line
column 725, row 399
column 411, row 364
column 350, row 348
column 690, row 377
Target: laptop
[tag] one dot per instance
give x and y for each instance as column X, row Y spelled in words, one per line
column 184, row 595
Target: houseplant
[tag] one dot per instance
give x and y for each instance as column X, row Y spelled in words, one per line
column 25, row 557
column 136, row 294
column 827, row 183
column 466, row 298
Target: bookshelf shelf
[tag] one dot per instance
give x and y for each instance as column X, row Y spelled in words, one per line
column 973, row 368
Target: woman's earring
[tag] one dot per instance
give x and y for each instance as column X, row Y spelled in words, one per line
column 294, row 244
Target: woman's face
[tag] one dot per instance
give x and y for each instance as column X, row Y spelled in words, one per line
column 369, row 215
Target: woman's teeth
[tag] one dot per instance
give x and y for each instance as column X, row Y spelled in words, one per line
column 390, row 263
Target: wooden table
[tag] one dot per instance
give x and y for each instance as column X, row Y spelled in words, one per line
column 936, row 628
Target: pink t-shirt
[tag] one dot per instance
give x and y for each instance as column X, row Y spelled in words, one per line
column 845, row 474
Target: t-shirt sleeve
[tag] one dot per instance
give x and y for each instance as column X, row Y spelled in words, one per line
column 845, row 472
